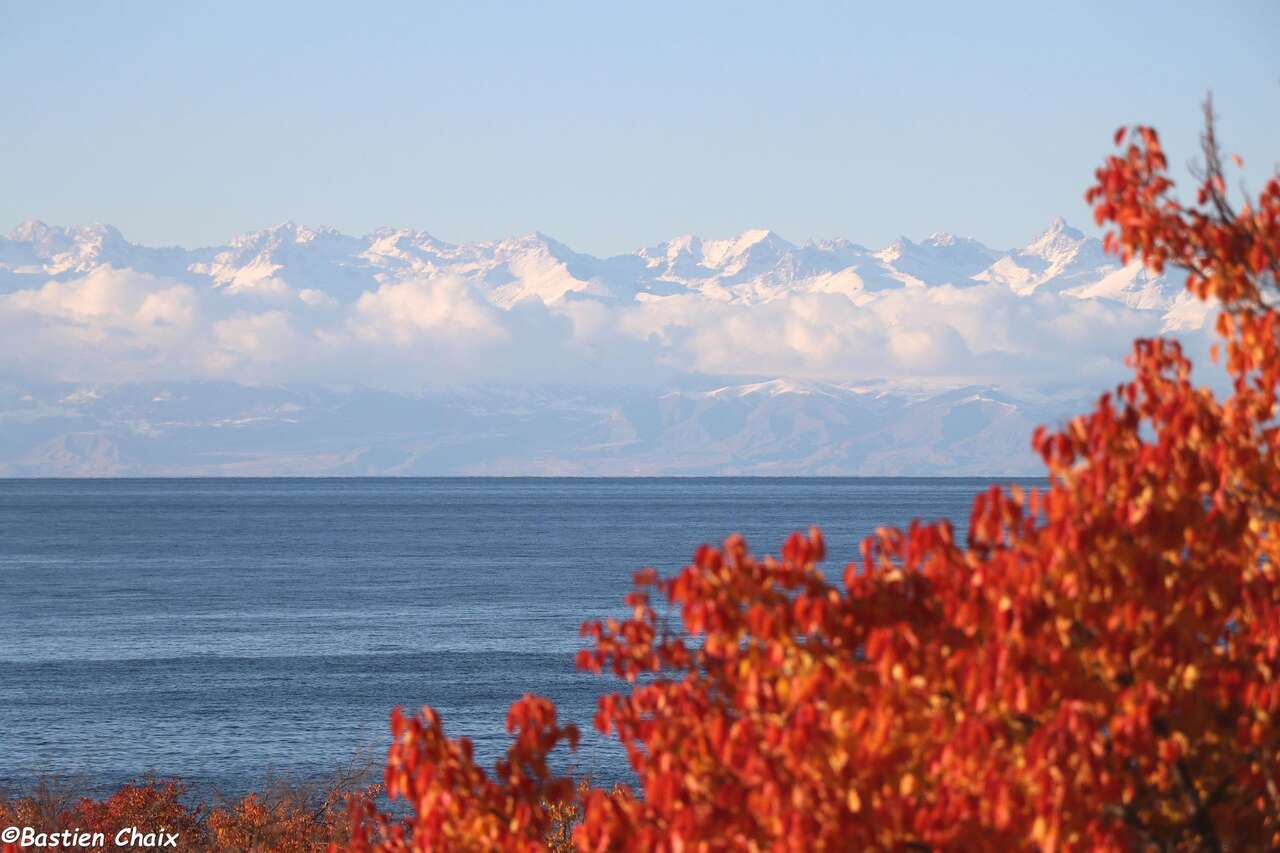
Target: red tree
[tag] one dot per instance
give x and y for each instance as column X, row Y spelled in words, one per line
column 1095, row 668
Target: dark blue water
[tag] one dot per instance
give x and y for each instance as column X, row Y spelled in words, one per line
column 225, row 630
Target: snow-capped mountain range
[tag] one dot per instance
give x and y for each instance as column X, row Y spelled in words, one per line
column 304, row 350
column 754, row 267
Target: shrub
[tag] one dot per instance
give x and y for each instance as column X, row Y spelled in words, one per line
column 285, row 817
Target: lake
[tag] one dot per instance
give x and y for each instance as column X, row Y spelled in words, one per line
column 226, row 630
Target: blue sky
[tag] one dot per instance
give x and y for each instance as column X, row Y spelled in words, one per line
column 609, row 126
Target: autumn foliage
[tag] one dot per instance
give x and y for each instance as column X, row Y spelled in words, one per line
column 1097, row 667
column 290, row 818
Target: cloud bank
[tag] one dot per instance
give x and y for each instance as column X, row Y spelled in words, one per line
column 121, row 325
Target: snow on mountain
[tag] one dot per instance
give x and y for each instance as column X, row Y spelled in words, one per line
column 287, row 254
column 1187, row 313
column 754, row 267
column 940, row 258
column 1135, row 286
column 759, row 265
column 539, row 267
column 35, row 253
column 768, row 388
column 1058, row 259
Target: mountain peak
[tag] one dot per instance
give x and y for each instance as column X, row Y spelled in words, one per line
column 895, row 250
column 270, row 233
column 1059, row 226
column 283, row 233
column 386, row 238
column 754, row 243
column 29, row 231
column 751, row 238
column 755, row 235
column 1059, row 237
column 35, row 231
column 538, row 241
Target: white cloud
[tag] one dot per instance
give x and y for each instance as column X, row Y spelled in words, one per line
column 109, row 324
column 317, row 298
column 984, row 334
column 112, row 325
column 442, row 307
column 108, row 298
column 265, row 338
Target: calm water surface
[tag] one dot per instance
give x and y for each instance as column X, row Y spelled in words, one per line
column 224, row 630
